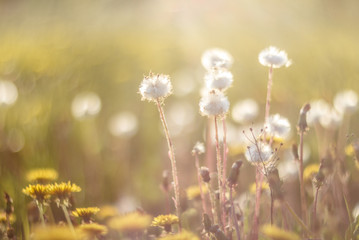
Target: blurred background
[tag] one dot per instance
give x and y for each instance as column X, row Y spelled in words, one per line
column 77, row 66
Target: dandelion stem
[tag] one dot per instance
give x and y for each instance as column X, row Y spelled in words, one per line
column 305, row 228
column 204, row 207
column 172, row 158
column 301, row 182
column 271, row 205
column 219, row 172
column 41, row 213
column 234, row 218
column 209, row 151
column 314, row 220
column 269, row 90
column 259, row 180
column 224, row 170
column 67, row 216
column 213, row 203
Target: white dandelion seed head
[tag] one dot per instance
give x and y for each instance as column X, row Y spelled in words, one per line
column 331, row 119
column 245, row 111
column 216, row 58
column 219, row 78
column 214, row 103
column 346, row 102
column 8, row 93
column 274, row 57
column 84, row 105
column 123, row 124
column 198, row 148
column 318, row 109
column 277, row 126
column 155, row 87
column 356, row 211
column 256, row 155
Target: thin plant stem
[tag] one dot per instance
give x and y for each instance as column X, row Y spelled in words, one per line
column 209, row 151
column 315, row 208
column 271, row 205
column 219, row 172
column 67, row 216
column 173, row 160
column 224, row 215
column 269, row 90
column 213, row 203
column 259, row 180
column 297, row 219
column 301, row 182
column 41, row 213
column 204, row 206
column 234, row 218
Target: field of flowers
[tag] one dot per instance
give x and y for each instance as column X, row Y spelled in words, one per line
column 179, row 119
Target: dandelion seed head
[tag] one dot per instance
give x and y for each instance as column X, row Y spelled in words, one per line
column 258, row 155
column 198, row 148
column 220, row 79
column 331, row 119
column 356, row 211
column 216, row 58
column 346, row 102
column 123, row 124
column 86, row 105
column 8, row 93
column 214, row 103
column 318, row 109
column 245, row 111
column 155, row 87
column 278, row 126
column 274, row 57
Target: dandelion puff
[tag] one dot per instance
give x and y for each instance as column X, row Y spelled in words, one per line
column 245, row 111
column 8, row 93
column 331, row 119
column 123, row 124
column 198, row 148
column 277, row 126
column 346, row 102
column 220, row 79
column 216, row 58
column 214, row 103
column 155, row 87
column 259, row 153
column 318, row 109
column 273, row 57
column 86, row 105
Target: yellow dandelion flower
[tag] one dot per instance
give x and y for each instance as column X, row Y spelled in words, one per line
column 132, row 222
column 93, row 229
column 276, row 233
column 193, row 192
column 310, row 171
column 252, row 187
column 107, row 212
column 63, row 190
column 237, row 149
column 3, row 219
column 43, row 175
column 39, row 192
column 184, row 235
column 165, row 221
column 53, row 233
column 85, row 213
column 349, row 150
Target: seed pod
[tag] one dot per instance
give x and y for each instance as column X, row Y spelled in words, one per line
column 234, row 173
column 205, row 174
column 295, row 151
column 207, row 222
column 302, row 125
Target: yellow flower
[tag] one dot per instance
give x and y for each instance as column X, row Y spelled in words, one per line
column 43, row 175
column 39, row 192
column 53, row 233
column 63, row 191
column 85, row 213
column 193, row 192
column 276, row 233
column 165, row 221
column 310, row 171
column 237, row 149
column 93, row 229
column 184, row 235
column 349, row 150
column 132, row 222
column 252, row 188
column 3, row 219
column 107, row 212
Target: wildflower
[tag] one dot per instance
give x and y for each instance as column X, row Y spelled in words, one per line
column 252, row 187
column 53, row 233
column 332, row 119
column 123, row 124
column 260, row 153
column 42, row 175
column 38, row 192
column 273, row 57
column 214, row 103
column 245, row 111
column 276, row 233
column 220, row 79
column 8, row 93
column 62, row 192
column 346, row 102
column 318, row 109
column 155, row 87
column 93, row 229
column 86, row 105
column 310, row 171
column 183, row 235
column 193, row 192
column 198, row 148
column 132, row 222
column 107, row 212
column 165, row 221
column 216, row 58
column 3, row 219
column 85, row 213
column 277, row 126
